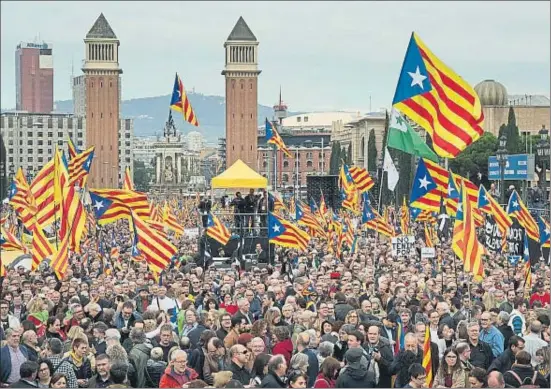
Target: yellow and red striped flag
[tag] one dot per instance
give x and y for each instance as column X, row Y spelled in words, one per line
column 273, row 137
column 121, row 203
column 79, row 167
column 361, row 178
column 465, row 243
column 157, row 250
column 60, row 260
column 404, row 218
column 517, row 209
column 170, row 221
column 9, row 242
column 128, row 183
column 44, row 194
column 41, row 247
column 217, row 230
column 427, row 357
column 487, row 204
column 285, row 234
column 180, row 102
column 439, row 100
column 428, row 237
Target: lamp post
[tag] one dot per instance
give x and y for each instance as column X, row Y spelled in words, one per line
column 502, row 160
column 542, row 150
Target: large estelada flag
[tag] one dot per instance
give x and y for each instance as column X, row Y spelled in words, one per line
column 439, row 100
column 180, row 102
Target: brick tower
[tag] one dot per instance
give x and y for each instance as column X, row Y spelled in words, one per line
column 241, row 73
column 102, row 84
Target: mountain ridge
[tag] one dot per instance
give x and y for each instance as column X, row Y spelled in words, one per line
column 151, row 113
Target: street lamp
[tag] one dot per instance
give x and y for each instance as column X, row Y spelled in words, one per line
column 502, row 160
column 542, row 150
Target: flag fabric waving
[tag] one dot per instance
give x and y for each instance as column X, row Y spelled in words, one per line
column 465, row 243
column 423, row 192
column 361, row 178
column 439, row 100
column 157, row 250
column 427, row 357
column 41, row 248
column 517, row 209
column 527, row 263
column 402, row 137
column 391, row 172
column 489, row 205
column 79, row 167
column 273, row 137
column 285, row 234
column 180, row 102
column 545, row 232
column 128, row 183
column 217, row 230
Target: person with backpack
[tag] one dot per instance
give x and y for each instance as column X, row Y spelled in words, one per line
column 523, row 375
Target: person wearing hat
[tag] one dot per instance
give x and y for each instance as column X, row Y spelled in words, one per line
column 356, row 372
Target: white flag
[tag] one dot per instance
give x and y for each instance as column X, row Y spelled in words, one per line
column 390, row 169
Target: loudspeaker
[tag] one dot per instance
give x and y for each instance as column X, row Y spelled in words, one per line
column 328, row 185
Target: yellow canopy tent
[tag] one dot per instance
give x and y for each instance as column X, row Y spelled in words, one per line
column 239, row 175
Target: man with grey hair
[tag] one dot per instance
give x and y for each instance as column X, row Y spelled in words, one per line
column 277, row 368
column 60, row 364
column 533, row 341
column 139, row 354
column 503, row 327
column 325, row 349
column 12, row 356
column 112, row 336
column 303, row 343
column 244, row 310
column 491, row 334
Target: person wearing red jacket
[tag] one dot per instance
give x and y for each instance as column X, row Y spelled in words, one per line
column 177, row 373
column 540, row 295
column 284, row 345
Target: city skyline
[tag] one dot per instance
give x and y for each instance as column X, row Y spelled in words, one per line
column 349, row 52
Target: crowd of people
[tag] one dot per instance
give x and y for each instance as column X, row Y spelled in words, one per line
column 311, row 320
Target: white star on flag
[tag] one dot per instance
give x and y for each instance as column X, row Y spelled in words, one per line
column 417, row 78
column 423, row 182
column 450, row 190
column 98, row 205
column 515, row 204
column 460, row 207
column 275, row 228
column 368, row 215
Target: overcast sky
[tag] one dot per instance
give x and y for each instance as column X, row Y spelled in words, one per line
column 325, row 55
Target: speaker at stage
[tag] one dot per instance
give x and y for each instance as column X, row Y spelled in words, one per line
column 328, row 185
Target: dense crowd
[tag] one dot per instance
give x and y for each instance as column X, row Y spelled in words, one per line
column 311, row 320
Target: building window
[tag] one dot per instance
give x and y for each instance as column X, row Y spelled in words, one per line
column 79, row 124
column 79, row 143
column 29, row 122
column 10, row 122
column 40, row 159
column 30, row 143
column 298, row 119
column 110, row 84
column 10, row 151
column 50, row 123
column 71, row 135
column 70, row 123
column 29, row 159
column 50, row 134
column 59, row 122
column 60, row 135
column 29, row 133
column 40, row 151
column 285, row 164
column 264, row 164
column 127, row 126
column 60, row 143
column 127, row 160
column 127, row 135
column 101, row 115
column 10, row 159
column 49, row 142
column 309, row 164
column 305, row 119
column 101, row 84
column 10, row 142
column 40, row 134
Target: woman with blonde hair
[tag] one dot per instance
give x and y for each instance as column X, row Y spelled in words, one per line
column 38, row 314
column 74, row 333
column 222, row 378
column 79, row 360
column 352, row 318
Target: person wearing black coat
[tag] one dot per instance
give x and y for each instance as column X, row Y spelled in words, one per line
column 356, row 373
column 380, row 350
column 506, row 360
column 522, row 373
column 341, row 307
column 411, row 354
column 277, row 368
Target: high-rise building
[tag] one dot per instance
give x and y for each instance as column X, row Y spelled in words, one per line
column 34, row 77
column 101, row 83
column 241, row 75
